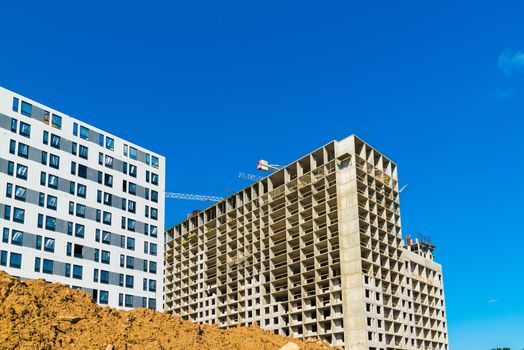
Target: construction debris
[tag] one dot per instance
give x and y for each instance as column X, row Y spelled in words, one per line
column 40, row 315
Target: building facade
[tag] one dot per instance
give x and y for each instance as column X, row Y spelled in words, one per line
column 79, row 206
column 313, row 250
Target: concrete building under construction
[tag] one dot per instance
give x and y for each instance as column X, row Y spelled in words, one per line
column 313, row 250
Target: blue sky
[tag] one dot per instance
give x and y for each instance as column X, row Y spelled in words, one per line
column 215, row 86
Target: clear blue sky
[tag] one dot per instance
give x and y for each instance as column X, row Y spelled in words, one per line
column 215, row 86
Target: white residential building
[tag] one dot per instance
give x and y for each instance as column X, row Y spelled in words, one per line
column 79, row 206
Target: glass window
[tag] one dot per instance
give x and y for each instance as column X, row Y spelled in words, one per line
column 101, row 140
column 130, row 243
column 67, row 270
column 72, row 187
column 75, row 129
column 129, row 300
column 95, row 275
column 25, row 129
column 3, row 258
column 20, row 193
column 109, row 162
column 15, row 261
column 99, row 196
column 10, row 168
column 131, row 206
column 125, row 150
column 104, row 297
column 26, row 109
column 152, row 303
column 152, row 267
column 108, row 180
column 73, row 148
column 148, row 159
column 47, row 266
column 130, row 224
column 132, row 153
column 124, row 167
column 104, row 276
column 132, row 170
column 41, row 199
column 107, row 218
column 55, row 141
column 18, row 215
column 121, row 279
column 130, row 281
column 122, row 241
column 106, row 256
column 23, row 150
column 108, row 198
column 152, row 249
column 77, row 272
column 40, row 221
column 152, row 285
column 144, row 284
column 130, row 262
column 84, row 133
column 12, row 146
column 154, row 231
column 132, row 188
column 43, row 159
column 154, row 179
column 16, row 103
column 79, row 230
column 56, row 121
column 154, row 163
column 37, row 264
column 21, row 171
column 52, row 181
column 50, row 223
column 54, row 161
column 52, row 202
column 69, row 249
column 83, row 152
column 13, row 124
column 110, row 143
column 5, row 235
column 106, row 237
column 81, row 190
column 154, row 213
column 49, row 245
column 17, row 237
column 9, row 190
column 45, row 138
column 82, row 171
column 38, row 242
column 7, row 212
column 154, row 196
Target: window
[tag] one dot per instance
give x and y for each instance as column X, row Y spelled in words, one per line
column 56, row 121
column 16, row 103
column 146, row 247
column 130, row 243
column 131, row 224
column 132, row 170
column 79, row 230
column 152, row 249
column 23, row 150
column 152, row 285
column 80, row 210
column 98, row 215
column 122, row 258
column 130, row 262
column 154, row 231
column 54, row 161
column 96, row 255
column 81, row 190
column 9, row 190
column 55, row 141
column 154, row 213
column 122, row 241
column 132, row 188
column 84, row 133
column 47, row 266
column 75, row 129
column 129, row 300
column 3, row 258
column 17, row 237
column 18, row 215
column 12, row 146
column 83, row 153
column 154, row 163
column 37, row 264
column 108, row 180
column 100, row 158
column 107, row 218
column 154, row 179
column 73, row 168
column 154, row 196
column 7, row 212
column 144, row 284
column 67, row 270
column 13, row 124
column 130, row 281
column 40, row 221
column 132, row 153
column 121, row 279
column 45, row 138
column 26, row 109
column 15, row 261
column 124, row 167
column 38, row 242
column 152, row 267
column 43, row 159
column 10, row 168
column 146, row 211
column 125, row 150
column 109, row 162
column 49, row 245
column 95, row 275
column 52, row 181
column 50, row 223
column 69, row 249
column 131, row 206
column 25, row 129
column 104, row 277
column 99, row 196
column 104, row 297
column 106, row 256
column 110, row 143
column 73, row 148
column 21, row 171
column 82, row 171
column 124, row 204
column 108, row 198
column 43, row 176
column 52, row 202
column 106, row 237
column 5, row 235
column 120, row 299
column 152, row 303
column 71, row 187
column 148, row 159
column 101, row 140
column 69, row 228
column 20, row 193
column 77, row 272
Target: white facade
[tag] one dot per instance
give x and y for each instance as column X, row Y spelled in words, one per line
column 79, row 206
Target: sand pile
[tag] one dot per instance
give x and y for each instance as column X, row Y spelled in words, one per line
column 39, row 315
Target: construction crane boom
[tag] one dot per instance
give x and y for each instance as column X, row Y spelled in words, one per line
column 193, row 197
column 250, row 177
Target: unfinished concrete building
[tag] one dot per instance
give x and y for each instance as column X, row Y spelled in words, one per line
column 313, row 250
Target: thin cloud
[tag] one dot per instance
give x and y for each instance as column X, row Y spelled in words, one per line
column 511, row 62
column 492, row 301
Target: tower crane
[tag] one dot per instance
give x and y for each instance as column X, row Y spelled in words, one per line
column 193, row 197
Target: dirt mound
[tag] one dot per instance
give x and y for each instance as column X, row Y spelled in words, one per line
column 40, row 315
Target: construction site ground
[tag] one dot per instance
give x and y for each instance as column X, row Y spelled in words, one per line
column 40, row 315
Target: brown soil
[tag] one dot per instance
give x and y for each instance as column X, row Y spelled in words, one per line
column 40, row 315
